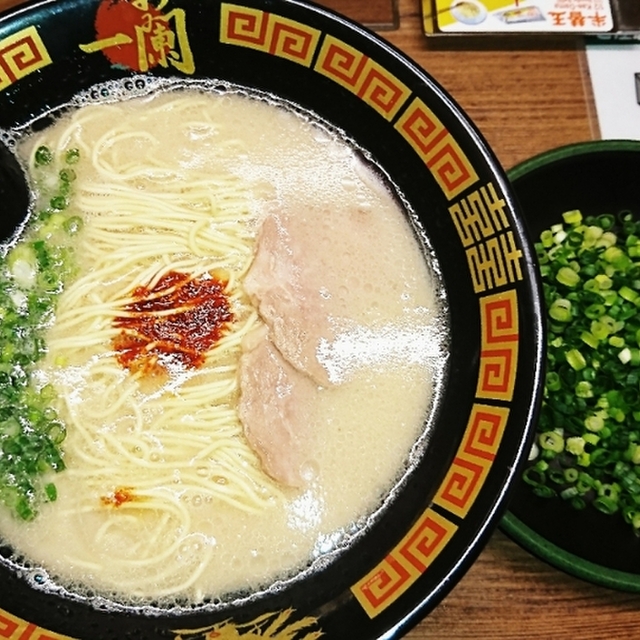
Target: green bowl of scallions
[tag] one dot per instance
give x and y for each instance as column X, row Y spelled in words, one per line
column 577, row 503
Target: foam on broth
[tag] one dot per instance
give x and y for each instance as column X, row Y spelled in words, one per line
column 389, row 361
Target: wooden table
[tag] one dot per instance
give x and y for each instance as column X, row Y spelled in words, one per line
column 525, row 96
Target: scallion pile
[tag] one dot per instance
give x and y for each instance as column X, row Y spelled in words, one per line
column 587, row 449
column 32, row 275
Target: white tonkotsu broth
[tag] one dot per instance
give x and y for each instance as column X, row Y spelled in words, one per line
column 163, row 498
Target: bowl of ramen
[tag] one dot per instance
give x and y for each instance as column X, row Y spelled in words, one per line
column 271, row 337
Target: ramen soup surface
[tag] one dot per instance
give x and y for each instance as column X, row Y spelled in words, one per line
column 206, row 463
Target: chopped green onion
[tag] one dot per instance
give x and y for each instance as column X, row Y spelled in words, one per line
column 573, row 218
column 67, row 175
column 43, row 155
column 576, row 360
column 551, row 441
column 589, row 428
column 72, row 156
column 560, row 310
column 567, row 276
column 32, row 275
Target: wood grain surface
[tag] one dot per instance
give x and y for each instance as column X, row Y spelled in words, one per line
column 526, row 95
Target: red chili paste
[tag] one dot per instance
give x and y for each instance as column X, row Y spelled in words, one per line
column 174, row 323
column 119, row 497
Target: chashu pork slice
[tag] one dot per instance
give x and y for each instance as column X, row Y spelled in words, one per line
column 274, row 409
column 287, row 284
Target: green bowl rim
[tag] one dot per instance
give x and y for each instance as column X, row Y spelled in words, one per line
column 566, row 151
column 567, row 562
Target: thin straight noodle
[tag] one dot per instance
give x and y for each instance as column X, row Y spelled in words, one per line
column 99, row 332
column 75, row 130
column 167, row 508
column 96, row 338
column 172, row 195
column 126, row 433
column 212, row 239
column 222, row 419
column 145, row 276
column 109, row 141
column 147, row 560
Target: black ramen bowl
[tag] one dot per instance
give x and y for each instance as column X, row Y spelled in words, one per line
column 435, row 526
column 598, row 177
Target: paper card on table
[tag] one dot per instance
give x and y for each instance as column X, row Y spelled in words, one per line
column 615, row 77
column 518, row 16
